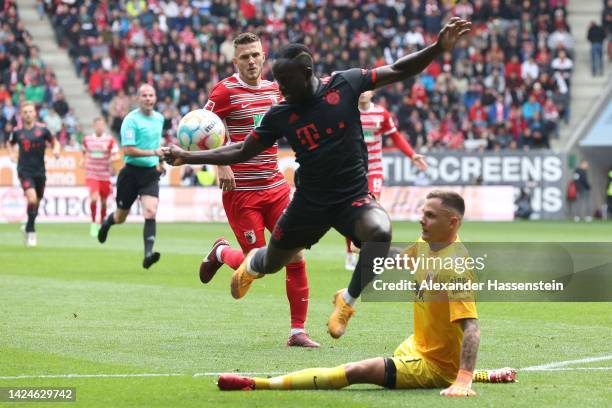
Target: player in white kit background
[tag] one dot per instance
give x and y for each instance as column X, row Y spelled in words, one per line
column 377, row 124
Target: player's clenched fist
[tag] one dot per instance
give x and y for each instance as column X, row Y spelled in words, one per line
column 173, row 155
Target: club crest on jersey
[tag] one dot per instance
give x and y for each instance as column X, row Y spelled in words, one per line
column 38, row 133
column 332, row 97
column 250, row 236
column 210, row 105
column 294, row 117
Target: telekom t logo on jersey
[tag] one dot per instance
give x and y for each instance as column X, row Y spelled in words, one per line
column 308, row 135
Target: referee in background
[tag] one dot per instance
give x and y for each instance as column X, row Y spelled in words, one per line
column 141, row 134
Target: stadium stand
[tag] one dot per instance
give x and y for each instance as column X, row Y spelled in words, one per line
column 24, row 77
column 506, row 87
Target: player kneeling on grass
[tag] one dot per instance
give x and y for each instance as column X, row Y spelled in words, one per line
column 442, row 351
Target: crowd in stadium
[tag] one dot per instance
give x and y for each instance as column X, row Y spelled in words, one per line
column 505, row 87
column 24, row 77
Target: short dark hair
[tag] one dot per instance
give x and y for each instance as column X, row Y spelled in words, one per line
column 449, row 199
column 296, row 53
column 245, row 38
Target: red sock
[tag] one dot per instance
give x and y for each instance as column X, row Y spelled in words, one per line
column 348, row 246
column 93, row 207
column 232, row 257
column 296, row 285
column 102, row 214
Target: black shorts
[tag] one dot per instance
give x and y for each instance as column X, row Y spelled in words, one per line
column 303, row 224
column 136, row 181
column 35, row 181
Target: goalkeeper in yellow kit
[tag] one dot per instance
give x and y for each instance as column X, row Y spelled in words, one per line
column 442, row 351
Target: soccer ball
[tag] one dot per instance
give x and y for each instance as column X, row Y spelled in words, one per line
column 200, row 129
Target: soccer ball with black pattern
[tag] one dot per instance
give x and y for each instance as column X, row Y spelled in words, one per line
column 200, row 130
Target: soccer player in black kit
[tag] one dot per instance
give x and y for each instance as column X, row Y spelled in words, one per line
column 28, row 142
column 321, row 120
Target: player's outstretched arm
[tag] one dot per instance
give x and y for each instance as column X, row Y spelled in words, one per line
column 225, row 155
column 462, row 387
column 414, row 63
column 57, row 147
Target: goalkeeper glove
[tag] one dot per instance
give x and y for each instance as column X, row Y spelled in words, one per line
column 502, row 375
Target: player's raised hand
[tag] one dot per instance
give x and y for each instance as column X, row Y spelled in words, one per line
column 419, row 162
column 173, row 155
column 452, row 31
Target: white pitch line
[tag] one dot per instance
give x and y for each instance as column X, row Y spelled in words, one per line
column 207, row 374
column 546, row 367
column 18, row 377
column 570, row 369
column 566, row 363
column 215, row 374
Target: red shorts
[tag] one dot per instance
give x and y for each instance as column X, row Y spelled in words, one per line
column 375, row 185
column 98, row 186
column 250, row 212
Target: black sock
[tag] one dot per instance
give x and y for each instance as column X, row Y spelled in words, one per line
column 110, row 220
column 258, row 260
column 148, row 234
column 32, row 213
column 364, row 275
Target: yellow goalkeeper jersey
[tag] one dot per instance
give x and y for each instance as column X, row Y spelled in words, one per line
column 437, row 335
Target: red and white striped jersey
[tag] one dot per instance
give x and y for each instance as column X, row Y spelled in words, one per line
column 98, row 152
column 376, row 122
column 242, row 106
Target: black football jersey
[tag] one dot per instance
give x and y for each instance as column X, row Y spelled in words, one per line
column 32, row 143
column 325, row 134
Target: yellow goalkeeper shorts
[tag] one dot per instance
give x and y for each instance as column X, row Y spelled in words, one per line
column 413, row 371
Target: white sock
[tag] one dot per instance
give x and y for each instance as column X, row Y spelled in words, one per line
column 348, row 298
column 220, row 249
column 249, row 268
column 296, row 331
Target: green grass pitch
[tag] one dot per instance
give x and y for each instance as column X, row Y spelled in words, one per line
column 72, row 306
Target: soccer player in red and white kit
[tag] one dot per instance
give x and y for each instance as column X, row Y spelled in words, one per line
column 99, row 150
column 255, row 193
column 376, row 123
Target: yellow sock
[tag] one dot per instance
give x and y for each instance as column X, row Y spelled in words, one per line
column 309, row 379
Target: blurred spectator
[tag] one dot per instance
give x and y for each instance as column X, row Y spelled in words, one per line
column 60, row 105
column 184, row 47
column 609, row 194
column 53, row 121
column 24, row 76
column 523, row 205
column 118, row 107
column 188, row 178
column 596, row 35
column 606, row 21
column 563, row 65
column 205, row 177
column 582, row 208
